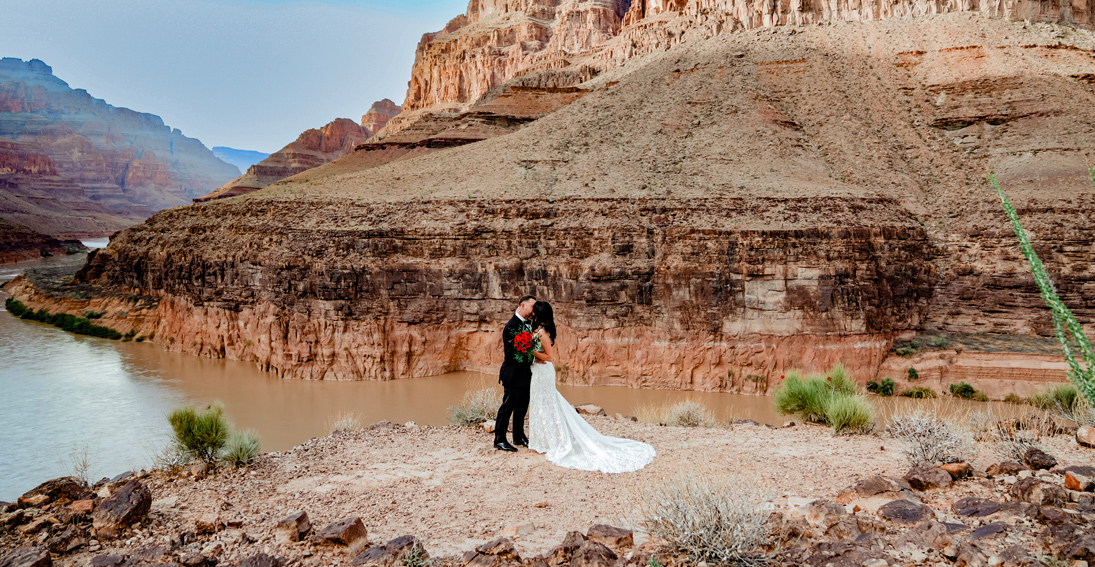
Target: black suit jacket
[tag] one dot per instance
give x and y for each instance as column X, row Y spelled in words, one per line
column 513, row 374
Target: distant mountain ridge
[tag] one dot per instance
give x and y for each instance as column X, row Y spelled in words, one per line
column 242, row 159
column 75, row 166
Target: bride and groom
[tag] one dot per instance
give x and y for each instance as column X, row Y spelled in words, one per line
column 555, row 428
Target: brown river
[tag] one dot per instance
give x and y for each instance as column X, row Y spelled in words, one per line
column 65, row 395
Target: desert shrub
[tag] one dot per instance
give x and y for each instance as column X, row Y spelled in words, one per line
column 1012, row 443
column 839, row 380
column 850, row 414
column 913, row 374
column 929, row 438
column 478, row 406
column 905, row 351
column 919, row 393
column 1058, row 398
column 200, row 433
column 804, row 397
column 1069, row 331
column 15, row 307
column 345, row 421
column 962, row 390
column 241, row 448
column 713, row 518
column 1013, row 398
column 940, row 342
column 66, row 322
column 93, row 315
column 688, row 414
column 883, row 388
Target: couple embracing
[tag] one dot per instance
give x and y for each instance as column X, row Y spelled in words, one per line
column 555, row 428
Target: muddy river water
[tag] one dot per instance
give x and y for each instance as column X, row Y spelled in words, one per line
column 65, row 395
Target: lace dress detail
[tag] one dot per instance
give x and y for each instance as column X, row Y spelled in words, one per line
column 568, row 440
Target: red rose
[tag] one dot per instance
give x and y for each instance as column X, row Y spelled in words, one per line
column 522, row 342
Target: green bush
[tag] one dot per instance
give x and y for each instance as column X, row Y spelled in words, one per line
column 1061, row 397
column 905, row 351
column 241, row 448
column 884, row 388
column 913, row 374
column 940, row 342
column 200, row 433
column 963, row 390
column 919, row 393
column 15, row 307
column 850, row 414
column 64, row 321
column 804, row 397
column 1013, row 398
column 93, row 314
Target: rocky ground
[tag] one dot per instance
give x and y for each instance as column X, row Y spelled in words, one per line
column 834, row 501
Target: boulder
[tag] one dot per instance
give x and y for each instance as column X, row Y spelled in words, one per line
column 988, row 531
column 81, row 507
column 66, row 488
column 1038, row 492
column 613, row 536
column 904, row 512
column 927, row 534
column 975, row 507
column 561, row 554
column 925, row 476
column 27, row 557
column 593, row 554
column 957, row 470
column 394, row 553
column 1006, row 468
column 1053, row 516
column 260, row 560
column 70, row 539
column 1038, row 459
column 1085, row 436
column 125, row 507
column 148, row 554
column 1078, row 482
column 107, row 560
column 502, row 548
column 34, row 501
column 293, row 527
column 343, row 532
column 1016, row 556
column 590, row 409
column 208, row 523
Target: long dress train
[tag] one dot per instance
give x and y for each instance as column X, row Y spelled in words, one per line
column 568, row 440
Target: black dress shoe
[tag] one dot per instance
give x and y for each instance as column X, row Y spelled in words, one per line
column 503, row 446
column 522, row 443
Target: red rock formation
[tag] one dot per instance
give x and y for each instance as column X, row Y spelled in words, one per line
column 72, row 164
column 313, row 148
column 18, row 242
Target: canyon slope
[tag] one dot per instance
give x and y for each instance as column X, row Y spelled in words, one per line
column 72, row 165
column 729, row 197
column 313, row 148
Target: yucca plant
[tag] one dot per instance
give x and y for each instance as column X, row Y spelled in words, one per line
column 1069, row 331
column 241, row 448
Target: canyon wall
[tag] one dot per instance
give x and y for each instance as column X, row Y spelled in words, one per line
column 18, row 242
column 312, row 148
column 107, row 167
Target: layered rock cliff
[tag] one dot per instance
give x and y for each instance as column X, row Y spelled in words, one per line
column 706, row 218
column 74, row 165
column 18, row 242
column 313, row 148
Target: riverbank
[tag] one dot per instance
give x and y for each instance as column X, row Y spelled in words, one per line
column 449, row 488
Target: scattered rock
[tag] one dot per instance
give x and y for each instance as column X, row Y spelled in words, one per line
column 612, row 536
column 878, row 485
column 127, row 506
column 989, row 530
column 957, row 470
column 293, row 527
column 1052, row 516
column 824, row 514
column 66, row 488
column 593, row 554
column 975, row 506
column 904, row 511
column 524, row 528
column 67, row 541
column 590, row 409
column 260, row 560
column 1078, row 482
column 34, row 501
column 150, row 554
column 343, row 532
column 929, row 534
column 82, row 507
column 13, row 518
column 501, row 548
column 208, row 523
column 1038, row 459
column 925, row 476
column 385, row 424
column 1039, row 492
column 27, row 557
column 37, row 525
column 1085, row 436
column 393, row 553
column 488, row 426
column 1016, row 556
column 107, row 560
column 1006, row 468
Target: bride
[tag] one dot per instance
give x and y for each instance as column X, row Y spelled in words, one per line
column 557, row 430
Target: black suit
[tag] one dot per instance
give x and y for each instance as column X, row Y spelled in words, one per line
column 515, row 377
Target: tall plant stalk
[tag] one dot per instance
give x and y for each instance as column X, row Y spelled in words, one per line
column 1069, row 331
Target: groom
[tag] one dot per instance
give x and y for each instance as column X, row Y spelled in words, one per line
column 516, row 378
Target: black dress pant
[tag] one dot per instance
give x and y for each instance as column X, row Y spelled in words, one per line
column 514, row 406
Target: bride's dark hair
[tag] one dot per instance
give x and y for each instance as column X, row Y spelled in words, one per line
column 545, row 318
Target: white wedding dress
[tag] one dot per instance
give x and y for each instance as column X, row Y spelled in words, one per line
column 557, row 430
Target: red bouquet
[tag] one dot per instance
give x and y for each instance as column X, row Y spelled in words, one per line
column 524, row 343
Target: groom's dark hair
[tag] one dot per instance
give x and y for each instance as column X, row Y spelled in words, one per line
column 526, row 298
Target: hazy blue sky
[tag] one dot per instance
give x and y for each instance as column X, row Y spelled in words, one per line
column 249, row 74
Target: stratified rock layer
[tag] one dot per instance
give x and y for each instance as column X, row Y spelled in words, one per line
column 18, row 242
column 313, row 148
column 73, row 165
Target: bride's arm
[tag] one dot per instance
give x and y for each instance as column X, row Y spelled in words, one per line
column 549, row 350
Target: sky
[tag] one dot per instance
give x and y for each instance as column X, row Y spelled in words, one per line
column 247, row 74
